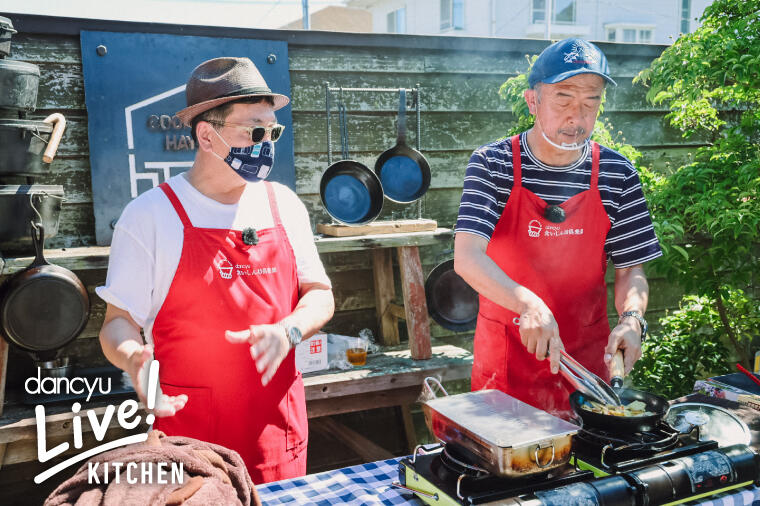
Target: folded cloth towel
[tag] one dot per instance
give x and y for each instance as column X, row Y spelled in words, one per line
column 212, row 474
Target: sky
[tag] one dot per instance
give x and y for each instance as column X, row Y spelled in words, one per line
column 235, row 13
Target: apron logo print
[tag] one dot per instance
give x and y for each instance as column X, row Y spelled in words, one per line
column 534, row 228
column 225, row 268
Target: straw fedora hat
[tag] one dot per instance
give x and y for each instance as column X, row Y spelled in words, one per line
column 220, row 80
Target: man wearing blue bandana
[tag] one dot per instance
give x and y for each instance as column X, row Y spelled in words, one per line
column 218, row 268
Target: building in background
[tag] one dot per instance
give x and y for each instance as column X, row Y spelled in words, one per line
column 337, row 19
column 632, row 21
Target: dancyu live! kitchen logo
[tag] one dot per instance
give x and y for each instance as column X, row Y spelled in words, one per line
column 127, row 417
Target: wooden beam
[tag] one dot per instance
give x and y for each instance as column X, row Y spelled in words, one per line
column 411, row 434
column 96, row 257
column 397, row 311
column 388, row 371
column 363, row 402
column 377, row 227
column 3, row 372
column 417, row 321
column 363, row 447
column 385, row 292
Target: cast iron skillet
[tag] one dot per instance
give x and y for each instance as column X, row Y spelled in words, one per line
column 403, row 171
column 350, row 192
column 43, row 307
column 654, row 404
column 451, row 302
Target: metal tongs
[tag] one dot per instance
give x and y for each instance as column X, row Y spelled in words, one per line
column 586, row 381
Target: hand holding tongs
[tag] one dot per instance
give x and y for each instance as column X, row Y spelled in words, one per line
column 586, row 381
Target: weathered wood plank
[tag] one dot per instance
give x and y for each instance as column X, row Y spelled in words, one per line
column 456, row 130
column 441, row 92
column 96, row 257
column 363, row 447
column 385, row 293
column 361, row 402
column 389, row 370
column 39, row 48
column 3, row 375
column 376, row 227
column 415, row 304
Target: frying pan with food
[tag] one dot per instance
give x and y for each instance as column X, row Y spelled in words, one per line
column 655, row 405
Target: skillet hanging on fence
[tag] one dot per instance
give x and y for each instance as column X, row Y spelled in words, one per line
column 43, row 307
column 403, row 171
column 350, row 192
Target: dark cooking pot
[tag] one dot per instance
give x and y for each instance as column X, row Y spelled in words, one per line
column 18, row 205
column 351, row 193
column 6, row 32
column 43, row 307
column 21, row 145
column 403, row 171
column 19, row 82
column 451, row 302
column 655, row 404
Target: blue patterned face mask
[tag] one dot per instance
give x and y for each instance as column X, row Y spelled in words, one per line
column 252, row 163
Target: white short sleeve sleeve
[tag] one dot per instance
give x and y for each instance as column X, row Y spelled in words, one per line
column 295, row 219
column 130, row 278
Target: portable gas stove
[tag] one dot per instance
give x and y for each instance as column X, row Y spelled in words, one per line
column 659, row 467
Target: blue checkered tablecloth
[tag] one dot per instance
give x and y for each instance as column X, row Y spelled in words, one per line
column 363, row 484
column 370, row 484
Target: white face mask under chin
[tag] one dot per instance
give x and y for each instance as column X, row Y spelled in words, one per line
column 565, row 146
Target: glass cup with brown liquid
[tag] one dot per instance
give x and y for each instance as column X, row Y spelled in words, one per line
column 356, row 353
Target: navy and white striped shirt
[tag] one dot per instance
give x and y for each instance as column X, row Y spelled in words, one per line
column 488, row 183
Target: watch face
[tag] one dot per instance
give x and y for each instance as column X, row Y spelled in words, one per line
column 294, row 334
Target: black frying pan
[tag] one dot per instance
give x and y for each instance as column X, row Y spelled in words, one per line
column 403, row 171
column 43, row 307
column 655, row 404
column 451, row 302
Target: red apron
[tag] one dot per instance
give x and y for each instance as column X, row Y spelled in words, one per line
column 221, row 284
column 564, row 264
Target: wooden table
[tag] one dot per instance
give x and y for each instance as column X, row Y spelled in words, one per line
column 414, row 310
column 390, row 378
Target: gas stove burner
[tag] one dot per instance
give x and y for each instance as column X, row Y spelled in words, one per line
column 660, row 438
column 457, row 463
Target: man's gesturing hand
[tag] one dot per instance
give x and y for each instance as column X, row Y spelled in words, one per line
column 540, row 334
column 138, row 369
column 269, row 347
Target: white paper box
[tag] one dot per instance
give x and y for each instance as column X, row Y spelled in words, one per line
column 311, row 355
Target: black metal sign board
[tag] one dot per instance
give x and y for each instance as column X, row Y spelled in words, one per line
column 134, row 85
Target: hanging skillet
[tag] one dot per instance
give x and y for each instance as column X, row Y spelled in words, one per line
column 350, row 192
column 43, row 307
column 403, row 171
column 451, row 302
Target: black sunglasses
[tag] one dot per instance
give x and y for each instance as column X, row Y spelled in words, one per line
column 257, row 133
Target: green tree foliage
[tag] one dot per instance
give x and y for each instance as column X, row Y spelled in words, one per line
column 708, row 212
column 691, row 344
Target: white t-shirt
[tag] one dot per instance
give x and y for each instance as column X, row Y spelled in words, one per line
column 147, row 241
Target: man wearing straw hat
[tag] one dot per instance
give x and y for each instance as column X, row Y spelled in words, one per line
column 218, row 267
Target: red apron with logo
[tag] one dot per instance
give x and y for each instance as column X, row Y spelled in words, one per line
column 221, row 284
column 564, row 264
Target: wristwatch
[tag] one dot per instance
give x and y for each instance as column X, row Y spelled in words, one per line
column 294, row 334
column 642, row 322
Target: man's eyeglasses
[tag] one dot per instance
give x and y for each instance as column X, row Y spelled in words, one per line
column 257, row 133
